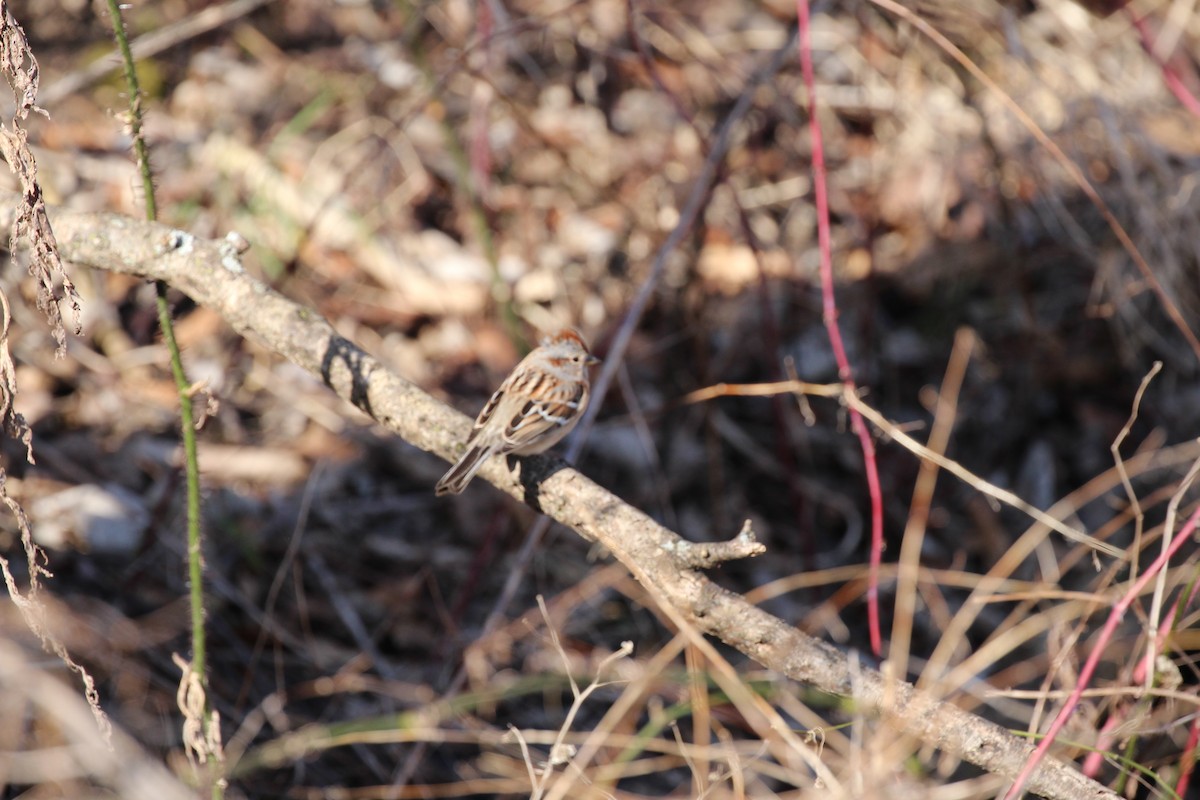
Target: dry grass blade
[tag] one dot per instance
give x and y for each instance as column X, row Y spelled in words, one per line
column 914, row 530
column 879, row 421
column 988, row 488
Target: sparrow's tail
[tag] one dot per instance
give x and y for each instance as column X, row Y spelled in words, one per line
column 461, row 473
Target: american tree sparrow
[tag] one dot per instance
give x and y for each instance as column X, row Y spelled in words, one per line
column 536, row 406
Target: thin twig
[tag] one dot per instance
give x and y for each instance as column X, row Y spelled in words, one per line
column 1136, row 506
column 687, row 217
column 349, row 615
column 285, row 566
column 1115, row 449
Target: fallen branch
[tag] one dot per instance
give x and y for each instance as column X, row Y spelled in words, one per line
column 210, row 272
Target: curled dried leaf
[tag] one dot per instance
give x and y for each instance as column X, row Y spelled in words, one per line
column 32, row 223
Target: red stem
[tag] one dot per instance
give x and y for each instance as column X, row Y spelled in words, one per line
column 830, row 315
column 1170, row 75
column 1089, row 667
column 1188, row 763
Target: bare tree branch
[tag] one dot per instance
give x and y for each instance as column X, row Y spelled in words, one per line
column 210, row 272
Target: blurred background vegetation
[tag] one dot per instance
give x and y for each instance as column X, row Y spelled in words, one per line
column 445, row 180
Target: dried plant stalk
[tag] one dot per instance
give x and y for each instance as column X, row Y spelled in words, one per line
column 31, row 223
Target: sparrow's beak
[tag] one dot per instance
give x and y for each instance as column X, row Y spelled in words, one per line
column 592, row 360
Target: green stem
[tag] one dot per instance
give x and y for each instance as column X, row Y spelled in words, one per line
column 195, row 554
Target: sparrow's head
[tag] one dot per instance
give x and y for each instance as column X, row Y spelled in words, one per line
column 567, row 346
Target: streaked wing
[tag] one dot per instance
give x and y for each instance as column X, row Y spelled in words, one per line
column 553, row 410
column 519, row 382
column 488, row 411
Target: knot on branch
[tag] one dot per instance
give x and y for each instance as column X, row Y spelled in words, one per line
column 702, row 555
